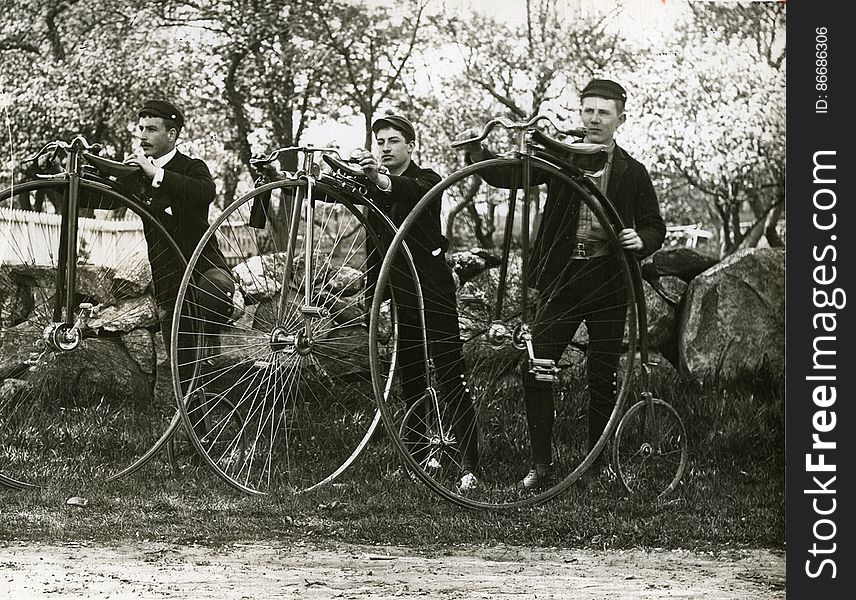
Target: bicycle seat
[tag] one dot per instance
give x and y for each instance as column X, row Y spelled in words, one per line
column 110, row 168
column 562, row 149
column 343, row 167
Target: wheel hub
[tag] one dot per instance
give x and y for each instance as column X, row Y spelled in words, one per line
column 498, row 335
column 289, row 343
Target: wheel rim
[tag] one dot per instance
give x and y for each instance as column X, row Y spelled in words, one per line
column 650, row 452
column 494, row 351
column 91, row 410
column 304, row 401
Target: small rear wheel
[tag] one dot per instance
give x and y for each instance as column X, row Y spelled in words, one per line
column 650, row 449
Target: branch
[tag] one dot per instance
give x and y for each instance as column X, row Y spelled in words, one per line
column 15, row 45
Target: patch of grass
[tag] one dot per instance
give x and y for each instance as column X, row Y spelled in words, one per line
column 732, row 496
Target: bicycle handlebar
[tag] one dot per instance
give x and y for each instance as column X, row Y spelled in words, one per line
column 78, row 143
column 518, row 126
column 265, row 160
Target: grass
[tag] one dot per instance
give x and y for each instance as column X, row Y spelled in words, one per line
column 731, row 497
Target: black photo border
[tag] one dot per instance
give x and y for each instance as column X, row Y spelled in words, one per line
column 819, row 412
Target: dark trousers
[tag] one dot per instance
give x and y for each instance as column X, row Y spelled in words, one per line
column 596, row 294
column 445, row 345
column 207, row 307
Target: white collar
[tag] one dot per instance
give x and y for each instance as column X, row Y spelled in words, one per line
column 160, row 162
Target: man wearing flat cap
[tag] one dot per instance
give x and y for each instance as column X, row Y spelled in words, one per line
column 398, row 183
column 577, row 277
column 180, row 190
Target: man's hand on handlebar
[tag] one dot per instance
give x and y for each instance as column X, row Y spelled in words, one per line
column 145, row 163
column 368, row 164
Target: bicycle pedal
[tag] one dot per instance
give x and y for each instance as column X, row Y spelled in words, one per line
column 315, row 311
column 544, row 369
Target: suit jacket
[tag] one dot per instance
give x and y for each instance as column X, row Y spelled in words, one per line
column 629, row 189
column 424, row 237
column 180, row 203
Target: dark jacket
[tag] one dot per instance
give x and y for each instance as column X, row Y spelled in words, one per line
column 629, row 189
column 181, row 204
column 424, row 237
column 407, row 190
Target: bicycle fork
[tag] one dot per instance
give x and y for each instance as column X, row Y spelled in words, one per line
column 301, row 340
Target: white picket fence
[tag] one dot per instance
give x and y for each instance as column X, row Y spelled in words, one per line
column 33, row 238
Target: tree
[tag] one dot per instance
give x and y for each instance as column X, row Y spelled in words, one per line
column 718, row 125
column 368, row 52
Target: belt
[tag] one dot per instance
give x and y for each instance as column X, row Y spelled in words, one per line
column 586, row 250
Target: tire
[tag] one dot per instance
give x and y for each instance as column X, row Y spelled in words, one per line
column 92, row 412
column 650, row 451
column 306, row 405
column 487, row 259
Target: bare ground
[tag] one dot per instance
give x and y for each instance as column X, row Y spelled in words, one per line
column 311, row 571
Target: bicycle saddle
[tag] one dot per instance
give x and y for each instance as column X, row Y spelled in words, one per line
column 343, row 167
column 110, row 168
column 590, row 158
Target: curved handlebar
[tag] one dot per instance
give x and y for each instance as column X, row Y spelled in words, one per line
column 518, row 126
column 77, row 144
column 264, row 160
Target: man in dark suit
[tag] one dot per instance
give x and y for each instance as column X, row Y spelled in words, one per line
column 397, row 184
column 180, row 190
column 573, row 268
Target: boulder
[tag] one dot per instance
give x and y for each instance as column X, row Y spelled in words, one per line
column 125, row 315
column 662, row 321
column 345, row 281
column 468, row 264
column 260, row 277
column 141, row 346
column 732, row 323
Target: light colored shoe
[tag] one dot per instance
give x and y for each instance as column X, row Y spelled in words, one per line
column 468, row 482
column 536, row 478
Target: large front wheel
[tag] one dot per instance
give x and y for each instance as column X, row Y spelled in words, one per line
column 79, row 394
column 289, row 359
column 530, row 341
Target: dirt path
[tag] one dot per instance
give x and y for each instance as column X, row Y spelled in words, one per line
column 258, row 571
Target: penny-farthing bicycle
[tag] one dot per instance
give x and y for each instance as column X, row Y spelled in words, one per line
column 85, row 295
column 280, row 399
column 492, row 210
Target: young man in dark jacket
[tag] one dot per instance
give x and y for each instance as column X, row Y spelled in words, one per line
column 572, row 270
column 397, row 184
column 180, row 190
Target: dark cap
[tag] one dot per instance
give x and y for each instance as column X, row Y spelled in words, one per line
column 396, row 122
column 604, row 88
column 163, row 109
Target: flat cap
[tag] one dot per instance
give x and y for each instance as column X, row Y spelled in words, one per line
column 163, row 109
column 604, row 88
column 397, row 122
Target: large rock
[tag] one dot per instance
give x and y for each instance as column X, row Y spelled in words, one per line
column 732, row 324
column 345, row 281
column 260, row 277
column 468, row 264
column 125, row 315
